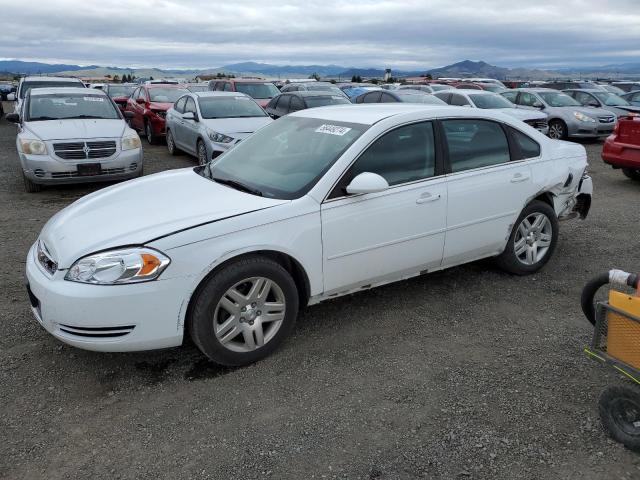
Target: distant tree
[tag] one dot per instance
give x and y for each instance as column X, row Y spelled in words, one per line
column 116, row 78
column 315, row 76
column 375, row 81
column 150, row 78
column 107, row 76
column 356, row 79
column 333, row 81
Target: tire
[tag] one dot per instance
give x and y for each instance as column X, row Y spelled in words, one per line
column 557, row 130
column 619, row 409
column 201, row 151
column 148, row 132
column 230, row 289
column 171, row 144
column 31, row 187
column 529, row 249
column 632, row 173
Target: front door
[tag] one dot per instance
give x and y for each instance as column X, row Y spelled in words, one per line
column 398, row 232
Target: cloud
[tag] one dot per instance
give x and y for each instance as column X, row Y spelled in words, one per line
column 400, row 33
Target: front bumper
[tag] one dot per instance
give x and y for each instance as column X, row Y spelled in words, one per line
column 49, row 170
column 590, row 130
column 107, row 318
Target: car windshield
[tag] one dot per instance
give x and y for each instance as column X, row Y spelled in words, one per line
column 198, row 88
column 258, row 90
column 120, row 90
column 26, row 86
column 558, row 99
column 490, row 101
column 354, row 91
column 286, row 158
column 166, row 95
column 611, row 100
column 229, row 107
column 321, row 101
column 417, row 98
column 60, row 106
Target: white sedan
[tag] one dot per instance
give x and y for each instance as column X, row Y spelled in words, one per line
column 322, row 203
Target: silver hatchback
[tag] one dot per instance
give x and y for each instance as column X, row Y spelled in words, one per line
column 207, row 124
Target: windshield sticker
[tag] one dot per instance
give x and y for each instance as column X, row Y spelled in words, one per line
column 93, row 99
column 332, row 129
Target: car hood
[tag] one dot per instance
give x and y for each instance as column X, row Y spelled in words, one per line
column 236, row 125
column 138, row 211
column 76, row 128
column 522, row 114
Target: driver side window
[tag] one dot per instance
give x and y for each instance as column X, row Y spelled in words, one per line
column 403, row 155
column 528, row 99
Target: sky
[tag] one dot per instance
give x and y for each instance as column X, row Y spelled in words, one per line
column 406, row 34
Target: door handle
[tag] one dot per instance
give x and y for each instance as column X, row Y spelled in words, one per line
column 519, row 177
column 427, row 197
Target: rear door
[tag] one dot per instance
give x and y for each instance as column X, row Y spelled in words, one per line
column 176, row 123
column 190, row 127
column 488, row 186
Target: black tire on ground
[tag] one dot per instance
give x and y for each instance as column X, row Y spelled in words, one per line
column 200, row 322
column 619, row 409
column 148, row 132
column 171, row 144
column 509, row 261
column 201, row 150
column 557, row 126
column 632, row 173
column 31, row 187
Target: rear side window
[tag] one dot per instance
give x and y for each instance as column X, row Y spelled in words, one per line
column 403, row 155
column 386, row 98
column 475, row 143
column 296, row 104
column 283, row 104
column 372, row 97
column 527, row 147
column 227, row 87
column 458, row 100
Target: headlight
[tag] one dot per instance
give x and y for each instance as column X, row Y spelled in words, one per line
column 131, row 143
column 584, row 118
column 129, row 265
column 219, row 137
column 33, row 147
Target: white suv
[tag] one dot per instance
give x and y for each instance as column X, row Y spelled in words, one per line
column 321, row 203
column 27, row 83
column 73, row 135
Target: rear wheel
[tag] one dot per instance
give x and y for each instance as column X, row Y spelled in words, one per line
column 532, row 240
column 619, row 409
column 632, row 173
column 244, row 312
column 31, row 187
column 171, row 144
column 557, row 130
column 201, row 149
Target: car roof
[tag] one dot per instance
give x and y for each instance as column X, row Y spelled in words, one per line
column 49, row 79
column 163, row 85
column 469, row 91
column 537, row 89
column 587, row 90
column 241, row 80
column 52, row 90
column 219, row 93
column 368, row 114
column 312, row 93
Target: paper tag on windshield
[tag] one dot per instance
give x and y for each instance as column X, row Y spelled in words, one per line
column 332, row 129
column 93, row 99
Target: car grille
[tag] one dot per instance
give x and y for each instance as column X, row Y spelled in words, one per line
column 84, row 150
column 104, row 171
column 96, row 332
column 539, row 124
column 607, row 119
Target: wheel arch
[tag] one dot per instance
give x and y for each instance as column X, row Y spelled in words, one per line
column 287, row 261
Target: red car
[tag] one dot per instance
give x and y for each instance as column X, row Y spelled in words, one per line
column 119, row 93
column 260, row 90
column 147, row 108
column 622, row 148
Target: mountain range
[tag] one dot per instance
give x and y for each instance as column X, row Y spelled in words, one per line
column 466, row 68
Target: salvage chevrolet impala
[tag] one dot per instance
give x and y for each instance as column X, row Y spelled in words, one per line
column 321, row 203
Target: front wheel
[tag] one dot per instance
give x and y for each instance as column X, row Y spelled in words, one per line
column 201, row 149
column 532, row 240
column 557, row 130
column 244, row 312
column 632, row 173
column 148, row 131
column 171, row 144
column 619, row 409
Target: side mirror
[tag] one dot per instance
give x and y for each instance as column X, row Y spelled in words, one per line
column 593, row 104
column 13, row 117
column 539, row 106
column 140, row 100
column 367, row 182
column 189, row 116
column 128, row 114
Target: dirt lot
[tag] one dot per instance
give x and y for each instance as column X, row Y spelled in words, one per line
column 468, row 373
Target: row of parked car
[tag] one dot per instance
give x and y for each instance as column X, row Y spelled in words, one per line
column 207, row 119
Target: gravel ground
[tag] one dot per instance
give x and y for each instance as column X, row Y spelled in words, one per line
column 467, row 373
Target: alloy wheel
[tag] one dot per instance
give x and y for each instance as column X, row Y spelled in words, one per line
column 170, row 145
column 249, row 314
column 533, row 238
column 202, row 154
column 556, row 131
